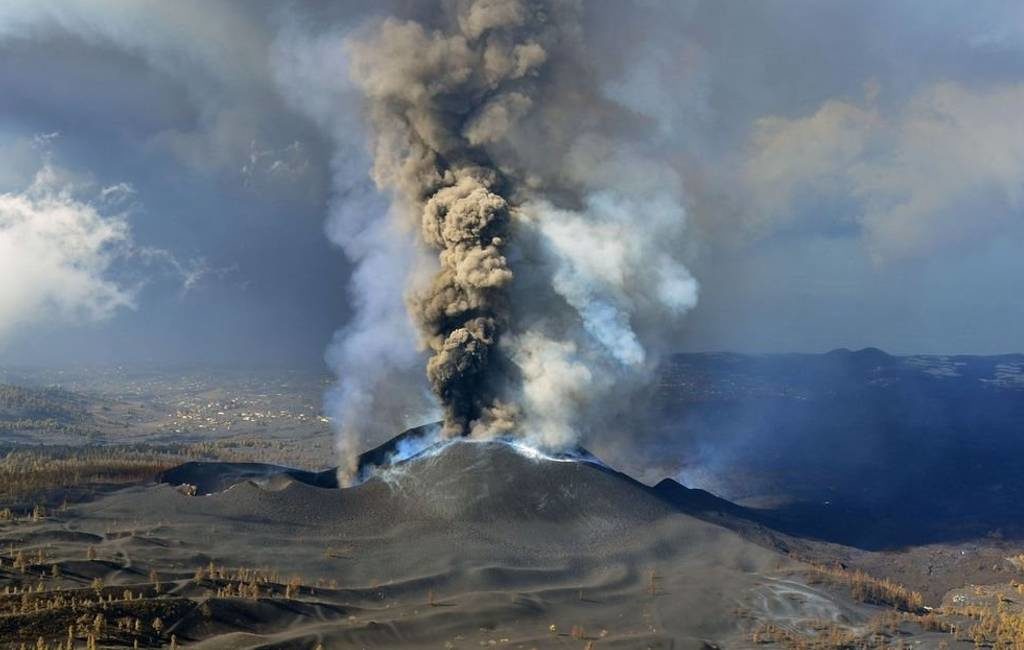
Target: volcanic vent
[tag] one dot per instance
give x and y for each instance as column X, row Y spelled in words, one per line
column 420, row 474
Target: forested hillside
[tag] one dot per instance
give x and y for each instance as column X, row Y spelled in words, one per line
column 42, row 409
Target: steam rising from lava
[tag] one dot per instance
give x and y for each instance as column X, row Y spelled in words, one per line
column 555, row 242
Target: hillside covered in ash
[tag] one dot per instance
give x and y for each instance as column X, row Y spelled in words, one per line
column 922, row 447
column 465, row 544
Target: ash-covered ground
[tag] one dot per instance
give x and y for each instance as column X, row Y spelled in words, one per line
column 467, row 545
column 241, row 538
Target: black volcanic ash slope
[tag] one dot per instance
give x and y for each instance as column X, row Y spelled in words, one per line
column 477, row 481
column 507, row 543
column 213, row 476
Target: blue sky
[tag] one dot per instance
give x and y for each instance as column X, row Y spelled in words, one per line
column 853, row 173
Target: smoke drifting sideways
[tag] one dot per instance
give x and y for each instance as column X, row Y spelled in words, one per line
column 535, row 237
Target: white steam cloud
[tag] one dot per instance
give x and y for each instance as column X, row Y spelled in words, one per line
column 380, row 387
column 614, row 265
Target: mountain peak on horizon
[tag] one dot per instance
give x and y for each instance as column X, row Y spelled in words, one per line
column 868, row 352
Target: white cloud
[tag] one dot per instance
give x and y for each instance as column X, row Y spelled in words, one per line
column 55, row 256
column 945, row 167
column 117, row 193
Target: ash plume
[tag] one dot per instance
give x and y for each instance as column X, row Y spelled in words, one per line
column 436, row 95
column 547, row 268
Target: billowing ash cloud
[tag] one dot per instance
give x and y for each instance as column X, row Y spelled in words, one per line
column 436, row 97
column 535, row 240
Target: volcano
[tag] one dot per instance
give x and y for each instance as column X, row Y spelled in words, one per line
column 445, row 543
column 499, row 472
column 508, row 540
